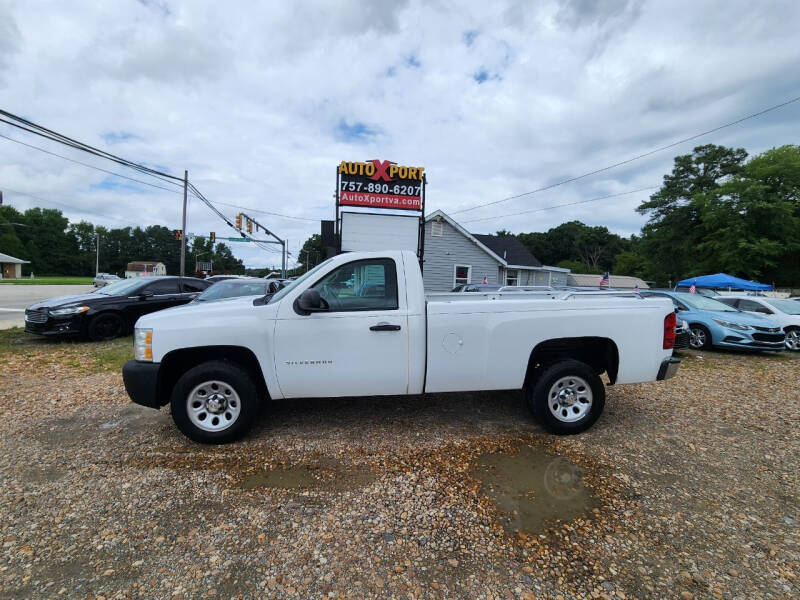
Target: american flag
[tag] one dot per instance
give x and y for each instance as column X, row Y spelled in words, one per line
column 692, row 289
column 485, row 279
column 604, row 280
column 636, row 288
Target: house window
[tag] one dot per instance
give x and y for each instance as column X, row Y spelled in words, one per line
column 462, row 274
column 512, row 277
column 437, row 227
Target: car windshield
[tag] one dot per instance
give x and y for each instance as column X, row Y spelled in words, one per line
column 233, row 288
column 790, row 307
column 294, row 283
column 122, row 288
column 702, row 302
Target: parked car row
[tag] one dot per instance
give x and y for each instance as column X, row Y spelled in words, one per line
column 113, row 308
column 729, row 322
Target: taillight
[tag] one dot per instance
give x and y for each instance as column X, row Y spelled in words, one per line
column 669, row 330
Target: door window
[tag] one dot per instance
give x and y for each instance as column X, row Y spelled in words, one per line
column 163, row 286
column 462, row 273
column 751, row 306
column 193, row 286
column 361, row 285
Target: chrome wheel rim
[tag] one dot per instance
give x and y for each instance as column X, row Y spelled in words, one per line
column 793, row 339
column 697, row 338
column 213, row 406
column 570, row 399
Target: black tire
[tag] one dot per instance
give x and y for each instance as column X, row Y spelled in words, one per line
column 585, row 408
column 106, row 326
column 793, row 339
column 699, row 332
column 230, row 377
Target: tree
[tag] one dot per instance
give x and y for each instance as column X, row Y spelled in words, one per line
column 753, row 219
column 313, row 252
column 674, row 230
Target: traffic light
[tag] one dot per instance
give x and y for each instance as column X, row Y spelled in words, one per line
column 239, row 222
column 177, row 234
column 249, row 226
column 213, row 237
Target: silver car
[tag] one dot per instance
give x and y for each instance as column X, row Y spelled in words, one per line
column 103, row 279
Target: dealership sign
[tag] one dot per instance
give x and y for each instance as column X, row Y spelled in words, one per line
column 380, row 184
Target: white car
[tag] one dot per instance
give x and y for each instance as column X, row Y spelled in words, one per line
column 104, row 279
column 359, row 324
column 783, row 311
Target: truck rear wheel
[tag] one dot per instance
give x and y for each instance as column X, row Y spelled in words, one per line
column 214, row 403
column 568, row 397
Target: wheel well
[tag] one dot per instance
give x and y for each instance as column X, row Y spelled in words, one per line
column 599, row 353
column 177, row 362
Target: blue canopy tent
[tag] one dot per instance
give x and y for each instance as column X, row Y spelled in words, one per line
column 723, row 281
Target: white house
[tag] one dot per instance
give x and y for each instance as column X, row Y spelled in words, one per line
column 143, row 268
column 10, row 267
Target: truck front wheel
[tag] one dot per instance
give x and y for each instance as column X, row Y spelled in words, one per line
column 568, row 397
column 214, row 403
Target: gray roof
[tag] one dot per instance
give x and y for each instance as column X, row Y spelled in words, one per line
column 509, row 248
column 5, row 258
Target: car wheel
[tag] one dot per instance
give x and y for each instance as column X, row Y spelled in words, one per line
column 106, row 326
column 793, row 339
column 215, row 403
column 699, row 337
column 567, row 398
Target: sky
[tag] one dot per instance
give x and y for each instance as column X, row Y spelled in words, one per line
column 261, row 101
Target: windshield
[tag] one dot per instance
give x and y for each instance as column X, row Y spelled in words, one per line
column 702, row 302
column 294, row 283
column 790, row 307
column 122, row 288
column 233, row 288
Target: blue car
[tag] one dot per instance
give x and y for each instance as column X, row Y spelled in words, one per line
column 713, row 323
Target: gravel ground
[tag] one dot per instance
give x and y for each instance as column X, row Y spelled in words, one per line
column 693, row 487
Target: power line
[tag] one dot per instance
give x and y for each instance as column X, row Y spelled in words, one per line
column 88, row 165
column 533, row 210
column 39, row 130
column 632, row 159
column 266, row 212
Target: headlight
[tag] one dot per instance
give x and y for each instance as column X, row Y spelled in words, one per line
column 729, row 325
column 70, row 310
column 143, row 344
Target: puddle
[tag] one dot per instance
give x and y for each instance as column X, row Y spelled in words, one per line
column 533, row 488
column 328, row 474
column 293, row 478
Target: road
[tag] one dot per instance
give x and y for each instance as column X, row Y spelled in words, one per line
column 15, row 298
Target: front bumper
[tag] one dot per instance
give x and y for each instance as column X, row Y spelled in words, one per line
column 141, row 382
column 668, row 368
column 67, row 325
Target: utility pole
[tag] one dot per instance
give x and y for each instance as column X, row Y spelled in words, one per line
column 97, row 247
column 183, row 228
column 283, row 259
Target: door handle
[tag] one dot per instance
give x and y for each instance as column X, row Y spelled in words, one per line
column 385, row 327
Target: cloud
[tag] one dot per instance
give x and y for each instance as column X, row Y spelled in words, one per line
column 260, row 102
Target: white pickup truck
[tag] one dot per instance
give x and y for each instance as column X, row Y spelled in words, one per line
column 359, row 324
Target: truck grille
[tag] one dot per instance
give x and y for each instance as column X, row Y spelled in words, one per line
column 36, row 316
column 769, row 337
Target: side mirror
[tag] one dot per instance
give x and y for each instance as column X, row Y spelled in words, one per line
column 310, row 301
column 273, row 287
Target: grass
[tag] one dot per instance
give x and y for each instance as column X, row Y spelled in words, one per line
column 83, row 355
column 49, row 281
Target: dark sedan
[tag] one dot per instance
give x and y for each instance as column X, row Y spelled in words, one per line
column 110, row 311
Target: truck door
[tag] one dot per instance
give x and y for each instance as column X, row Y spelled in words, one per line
column 358, row 346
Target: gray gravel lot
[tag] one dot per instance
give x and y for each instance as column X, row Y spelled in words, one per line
column 693, row 487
